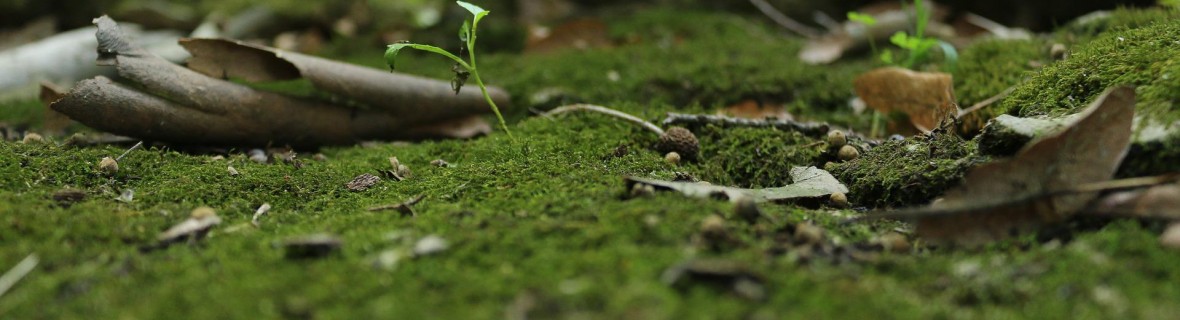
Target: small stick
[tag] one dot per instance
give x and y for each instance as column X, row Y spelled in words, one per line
column 986, row 102
column 694, row 120
column 784, row 21
column 405, row 208
column 136, row 146
column 17, row 272
column 608, row 111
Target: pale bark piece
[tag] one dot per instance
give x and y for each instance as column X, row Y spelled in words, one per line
column 809, row 182
column 180, row 106
column 427, row 100
column 1162, row 201
column 1021, row 194
column 928, row 98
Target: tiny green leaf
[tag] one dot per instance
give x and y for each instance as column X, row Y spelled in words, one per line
column 901, row 39
column 865, row 19
column 391, row 53
column 464, row 31
column 475, row 10
column 887, row 57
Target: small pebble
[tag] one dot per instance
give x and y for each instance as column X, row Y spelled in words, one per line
column 1171, row 237
column 894, row 242
column 837, row 139
column 429, row 245
column 1058, row 51
column 839, row 200
column 747, row 209
column 108, row 165
column 713, row 225
column 672, row 157
column 32, row 138
column 440, row 163
column 257, row 155
column 232, row 171
column 642, row 190
column 848, row 153
column 808, row 233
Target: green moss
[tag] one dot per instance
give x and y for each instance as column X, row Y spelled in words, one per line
column 989, row 67
column 908, row 172
column 542, row 218
column 754, row 158
column 1084, row 30
column 1143, row 57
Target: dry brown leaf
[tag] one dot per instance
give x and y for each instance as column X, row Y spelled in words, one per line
column 928, row 98
column 1020, row 194
column 1162, row 201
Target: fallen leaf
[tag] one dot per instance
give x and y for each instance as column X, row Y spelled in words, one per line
column 1021, row 194
column 1162, row 201
column 928, row 98
column 362, row 182
column 809, row 182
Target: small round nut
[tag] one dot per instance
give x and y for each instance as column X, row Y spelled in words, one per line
column 672, row 157
column 679, row 140
column 894, row 242
column 808, row 233
column 713, row 225
column 32, row 138
column 847, row 153
column 839, row 200
column 202, row 212
column 837, row 139
column 108, row 165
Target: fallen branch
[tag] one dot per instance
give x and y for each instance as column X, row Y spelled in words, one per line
column 181, row 106
column 785, row 21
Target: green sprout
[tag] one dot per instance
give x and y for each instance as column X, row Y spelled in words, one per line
column 462, row 69
column 917, row 44
column 868, row 21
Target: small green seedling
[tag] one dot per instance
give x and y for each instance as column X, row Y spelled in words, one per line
column 868, row 21
column 462, row 69
column 917, row 44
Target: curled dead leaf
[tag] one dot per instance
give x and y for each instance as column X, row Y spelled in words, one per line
column 928, row 98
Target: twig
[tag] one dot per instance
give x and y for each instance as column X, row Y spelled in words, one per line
column 986, row 102
column 405, row 208
column 784, row 21
column 136, row 146
column 812, row 129
column 17, row 272
column 608, row 111
column 928, row 212
column 825, row 20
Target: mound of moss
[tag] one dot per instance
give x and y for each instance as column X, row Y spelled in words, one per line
column 754, row 157
column 908, row 172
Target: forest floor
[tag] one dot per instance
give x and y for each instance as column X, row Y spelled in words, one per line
column 544, row 225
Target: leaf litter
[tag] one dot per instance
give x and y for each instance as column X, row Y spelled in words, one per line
column 809, row 182
column 1036, row 187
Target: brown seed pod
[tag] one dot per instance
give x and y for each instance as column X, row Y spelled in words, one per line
column 848, row 153
column 837, row 139
column 672, row 157
column 679, row 140
column 108, row 165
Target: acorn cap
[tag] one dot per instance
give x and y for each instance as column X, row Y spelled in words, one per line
column 681, row 141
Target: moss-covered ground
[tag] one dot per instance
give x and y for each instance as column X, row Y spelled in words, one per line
column 542, row 224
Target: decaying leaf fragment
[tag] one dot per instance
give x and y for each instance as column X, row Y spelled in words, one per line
column 928, row 98
column 200, row 221
column 810, row 182
column 1018, row 195
column 176, row 105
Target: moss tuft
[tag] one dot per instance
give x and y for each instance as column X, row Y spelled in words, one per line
column 908, row 172
column 755, row 158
